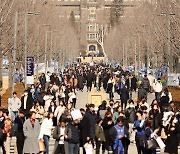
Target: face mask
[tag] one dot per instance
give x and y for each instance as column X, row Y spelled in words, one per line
column 109, row 118
column 175, row 121
column 155, row 107
column 32, row 90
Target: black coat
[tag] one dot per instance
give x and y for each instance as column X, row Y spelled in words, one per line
column 40, row 96
column 92, row 121
column 50, row 109
column 145, row 83
column 141, row 93
column 133, row 83
column 89, row 79
column 131, row 114
column 172, row 141
column 124, row 95
column 42, row 80
column 80, row 82
column 84, row 130
column 19, row 121
column 29, row 103
column 106, row 129
column 157, row 118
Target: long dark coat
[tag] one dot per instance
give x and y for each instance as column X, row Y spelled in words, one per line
column 106, row 128
column 84, row 130
column 172, row 141
column 133, row 83
column 80, row 82
column 29, row 103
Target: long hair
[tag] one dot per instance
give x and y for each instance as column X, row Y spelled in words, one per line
column 107, row 113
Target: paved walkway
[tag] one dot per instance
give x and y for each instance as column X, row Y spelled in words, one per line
column 82, row 97
column 81, row 102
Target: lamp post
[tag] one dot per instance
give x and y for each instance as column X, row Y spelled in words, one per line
column 25, row 44
column 14, row 50
column 37, row 48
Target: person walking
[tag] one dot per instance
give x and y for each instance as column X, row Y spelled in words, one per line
column 27, row 101
column 4, row 134
column 42, row 80
column 110, row 88
column 89, row 81
column 48, row 98
column 140, row 137
column 14, row 105
column 120, row 137
column 157, row 86
column 124, row 97
column 45, row 131
column 59, row 136
column 31, row 129
column 92, row 117
column 19, row 121
column 72, row 136
column 146, row 83
column 107, row 124
column 80, row 82
column 99, row 135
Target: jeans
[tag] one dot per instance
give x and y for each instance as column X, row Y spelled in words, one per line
column 73, row 148
column 13, row 114
column 158, row 96
column 46, row 142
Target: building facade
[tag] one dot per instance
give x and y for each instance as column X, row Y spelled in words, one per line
column 91, row 16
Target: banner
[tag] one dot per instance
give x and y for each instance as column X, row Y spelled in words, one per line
column 30, row 66
column 30, row 70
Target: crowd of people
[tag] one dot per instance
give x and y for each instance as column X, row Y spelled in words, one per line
column 46, row 108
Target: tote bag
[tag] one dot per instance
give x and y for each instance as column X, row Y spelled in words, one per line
column 151, row 144
column 41, row 146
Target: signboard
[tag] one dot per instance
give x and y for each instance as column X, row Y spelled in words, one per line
column 173, row 79
column 96, row 100
column 30, row 70
column 30, row 66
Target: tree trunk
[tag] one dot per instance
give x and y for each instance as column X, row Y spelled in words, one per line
column 10, row 73
column 1, row 58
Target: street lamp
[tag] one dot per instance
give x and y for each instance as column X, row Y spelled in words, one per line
column 37, row 48
column 25, row 43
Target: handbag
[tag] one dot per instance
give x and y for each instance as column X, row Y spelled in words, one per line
column 41, row 146
column 151, row 144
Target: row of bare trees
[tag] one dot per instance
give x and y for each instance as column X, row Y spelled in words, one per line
column 147, row 35
column 49, row 35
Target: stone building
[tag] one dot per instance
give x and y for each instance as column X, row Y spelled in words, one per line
column 91, row 16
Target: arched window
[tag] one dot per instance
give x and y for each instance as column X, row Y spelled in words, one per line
column 92, row 48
